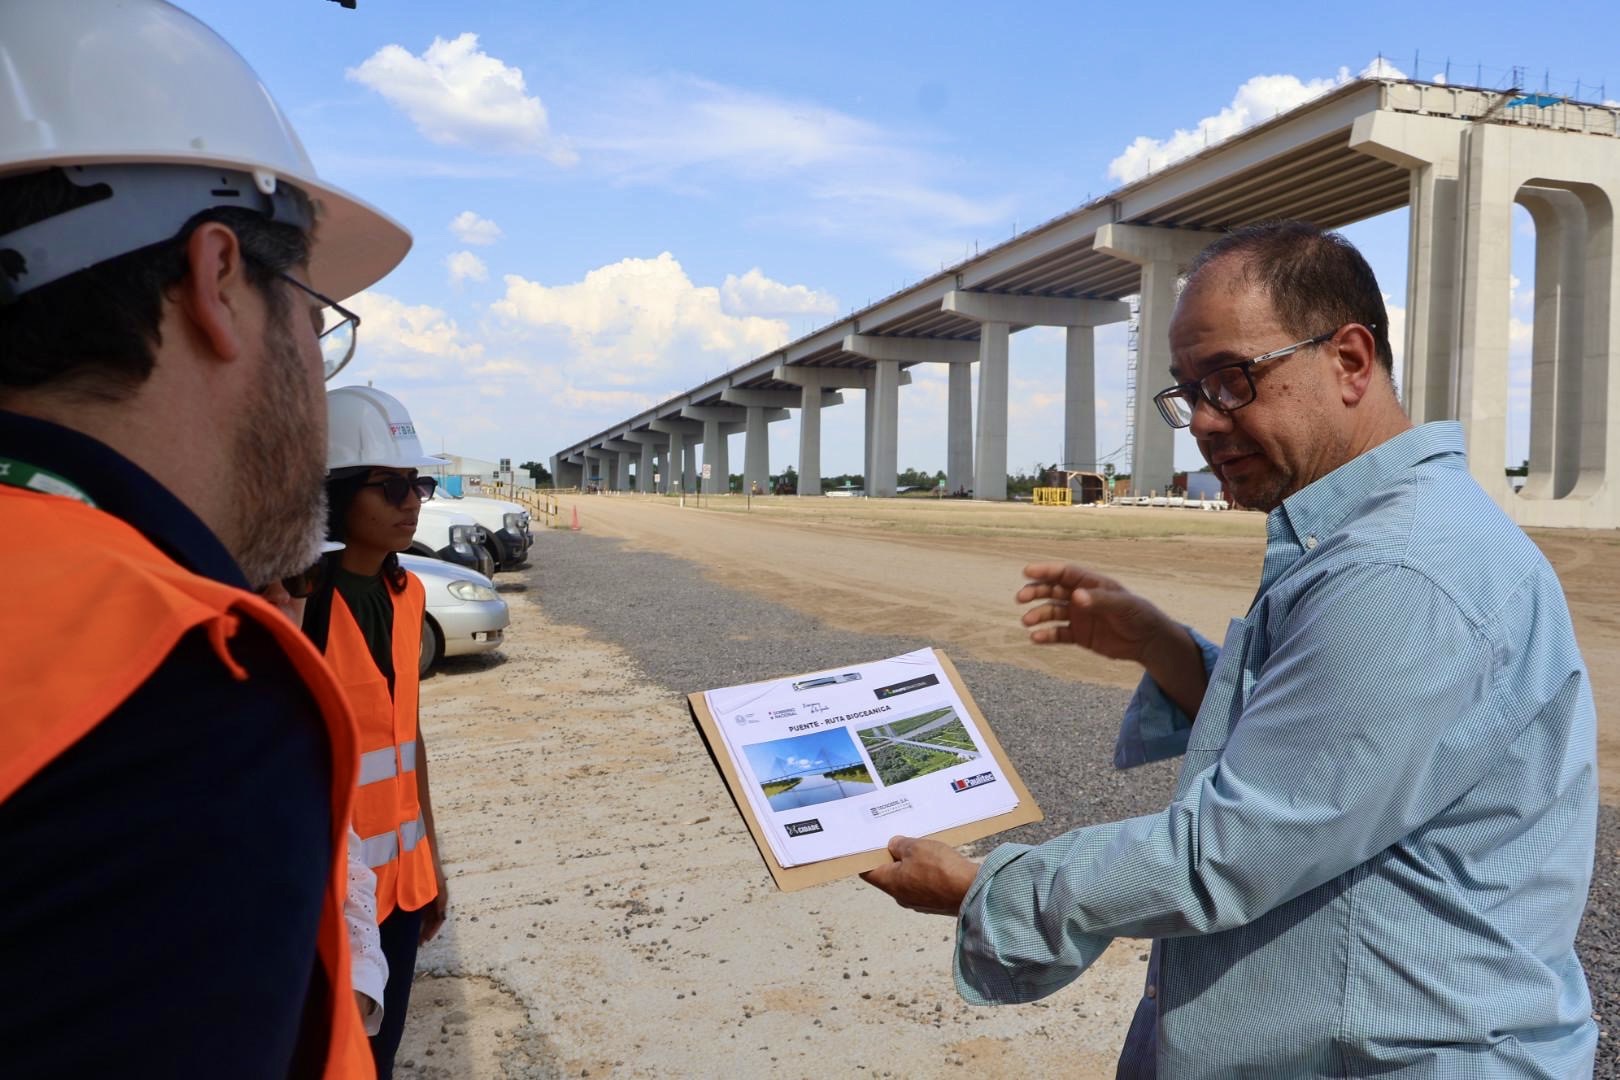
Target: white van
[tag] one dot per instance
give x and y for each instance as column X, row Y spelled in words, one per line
column 446, row 533
column 506, row 525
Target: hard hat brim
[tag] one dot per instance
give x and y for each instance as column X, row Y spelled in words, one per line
column 355, row 245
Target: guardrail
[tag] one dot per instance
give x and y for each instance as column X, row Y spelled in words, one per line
column 541, row 504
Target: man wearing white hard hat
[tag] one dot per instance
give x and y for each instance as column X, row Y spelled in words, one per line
column 365, row 616
column 177, row 764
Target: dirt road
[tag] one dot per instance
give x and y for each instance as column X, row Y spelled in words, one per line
column 610, row 916
column 948, row 571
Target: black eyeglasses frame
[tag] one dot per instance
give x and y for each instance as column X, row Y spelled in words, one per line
column 1199, row 389
column 348, row 318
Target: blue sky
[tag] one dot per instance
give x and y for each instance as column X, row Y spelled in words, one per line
column 613, row 203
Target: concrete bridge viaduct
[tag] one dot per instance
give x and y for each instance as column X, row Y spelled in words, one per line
column 1458, row 157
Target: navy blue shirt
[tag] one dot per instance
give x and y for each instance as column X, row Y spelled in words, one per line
column 161, row 881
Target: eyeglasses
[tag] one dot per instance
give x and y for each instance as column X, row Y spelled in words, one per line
column 395, row 488
column 1229, row 387
column 303, row 584
column 335, row 325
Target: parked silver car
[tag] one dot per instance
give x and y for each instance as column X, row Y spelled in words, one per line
column 464, row 612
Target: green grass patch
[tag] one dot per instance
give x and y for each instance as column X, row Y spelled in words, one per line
column 776, row 787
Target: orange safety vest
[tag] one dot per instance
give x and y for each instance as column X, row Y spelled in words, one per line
column 387, row 814
column 124, row 602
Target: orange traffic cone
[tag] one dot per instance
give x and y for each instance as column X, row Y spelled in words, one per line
column 575, row 525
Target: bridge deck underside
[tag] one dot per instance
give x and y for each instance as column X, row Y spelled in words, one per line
column 1322, row 181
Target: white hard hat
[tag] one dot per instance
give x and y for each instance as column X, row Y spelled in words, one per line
column 366, row 427
column 142, row 97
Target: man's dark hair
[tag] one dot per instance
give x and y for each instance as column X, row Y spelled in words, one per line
column 99, row 327
column 1316, row 280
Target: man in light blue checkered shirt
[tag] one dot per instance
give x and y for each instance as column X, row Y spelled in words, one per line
column 1381, row 838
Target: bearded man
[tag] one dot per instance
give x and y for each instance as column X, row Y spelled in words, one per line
column 176, row 763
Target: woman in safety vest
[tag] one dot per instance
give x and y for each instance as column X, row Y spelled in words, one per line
column 366, row 617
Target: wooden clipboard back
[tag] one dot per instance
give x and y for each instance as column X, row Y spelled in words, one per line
column 790, row 878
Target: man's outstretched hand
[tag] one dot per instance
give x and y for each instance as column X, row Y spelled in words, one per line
column 926, row 875
column 1080, row 607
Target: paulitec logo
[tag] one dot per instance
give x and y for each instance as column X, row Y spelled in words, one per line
column 399, row 431
column 972, row 781
column 801, row 828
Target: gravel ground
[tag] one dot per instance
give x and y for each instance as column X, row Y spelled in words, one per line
column 691, row 634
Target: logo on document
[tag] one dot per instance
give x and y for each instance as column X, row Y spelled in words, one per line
column 783, row 714
column 803, row 828
column 972, row 781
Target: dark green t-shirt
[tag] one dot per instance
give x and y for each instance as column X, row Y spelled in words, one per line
column 373, row 609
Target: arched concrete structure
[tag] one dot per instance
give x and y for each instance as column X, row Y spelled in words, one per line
column 1458, row 157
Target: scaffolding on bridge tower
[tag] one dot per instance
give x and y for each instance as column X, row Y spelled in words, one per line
column 1132, row 357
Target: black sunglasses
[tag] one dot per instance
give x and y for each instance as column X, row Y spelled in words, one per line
column 396, row 488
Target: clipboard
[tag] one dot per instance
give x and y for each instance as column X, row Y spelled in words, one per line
column 792, row 878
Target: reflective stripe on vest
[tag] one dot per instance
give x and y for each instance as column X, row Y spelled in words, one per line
column 412, row 832
column 380, row 850
column 377, row 765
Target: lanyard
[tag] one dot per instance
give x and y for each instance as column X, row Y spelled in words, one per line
column 23, row 475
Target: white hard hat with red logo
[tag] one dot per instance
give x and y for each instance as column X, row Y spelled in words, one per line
column 142, row 101
column 366, row 428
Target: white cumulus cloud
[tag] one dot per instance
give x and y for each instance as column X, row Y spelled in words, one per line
column 472, row 229
column 408, row 341
column 755, row 294
column 639, row 321
column 458, row 95
column 465, row 266
column 1257, row 100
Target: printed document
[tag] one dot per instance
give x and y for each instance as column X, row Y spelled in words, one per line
column 838, row 761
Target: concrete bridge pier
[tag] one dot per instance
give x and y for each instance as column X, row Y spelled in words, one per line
column 1080, row 398
column 959, row 428
column 1466, row 178
column 883, row 381
column 809, row 441
column 1500, row 163
column 1430, row 149
column 997, row 314
column 648, row 443
column 765, row 407
column 720, row 421
column 1557, row 354
column 1163, row 255
column 816, row 391
column 682, row 436
column 716, row 455
column 624, row 450
column 990, row 442
column 595, row 471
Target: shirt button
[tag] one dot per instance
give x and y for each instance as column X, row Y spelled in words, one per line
column 1152, row 991
column 1310, row 542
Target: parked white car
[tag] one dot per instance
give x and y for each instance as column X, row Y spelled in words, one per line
column 506, row 525
column 443, row 532
column 465, row 614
